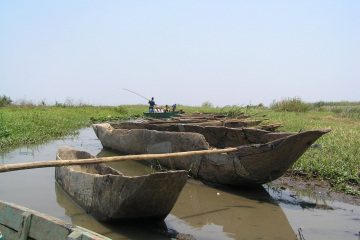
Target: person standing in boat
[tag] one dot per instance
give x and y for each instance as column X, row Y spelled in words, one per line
column 174, row 107
column 152, row 104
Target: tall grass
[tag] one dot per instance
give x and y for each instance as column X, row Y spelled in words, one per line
column 343, row 109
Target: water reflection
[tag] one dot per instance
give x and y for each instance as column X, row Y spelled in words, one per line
column 229, row 212
column 204, row 212
column 128, row 168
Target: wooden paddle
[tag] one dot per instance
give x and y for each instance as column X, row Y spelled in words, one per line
column 59, row 163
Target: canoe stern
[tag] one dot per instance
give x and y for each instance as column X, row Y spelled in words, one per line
column 270, row 161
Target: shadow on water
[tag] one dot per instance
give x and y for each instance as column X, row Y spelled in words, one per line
column 225, row 213
column 121, row 230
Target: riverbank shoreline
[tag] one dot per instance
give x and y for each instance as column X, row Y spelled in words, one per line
column 318, row 188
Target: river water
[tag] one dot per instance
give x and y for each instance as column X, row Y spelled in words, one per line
column 204, row 212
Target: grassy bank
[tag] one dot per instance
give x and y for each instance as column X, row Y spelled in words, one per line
column 337, row 160
column 21, row 125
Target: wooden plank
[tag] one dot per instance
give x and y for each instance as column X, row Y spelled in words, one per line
column 18, row 222
column 75, row 235
column 59, row 163
column 24, row 226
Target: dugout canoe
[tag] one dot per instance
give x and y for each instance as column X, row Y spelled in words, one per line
column 252, row 164
column 214, row 116
column 161, row 115
column 234, row 123
column 216, row 136
column 108, row 195
column 17, row 222
column 229, row 123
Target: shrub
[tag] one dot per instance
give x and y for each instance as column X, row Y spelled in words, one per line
column 261, row 106
column 121, row 110
column 4, row 101
column 207, row 104
column 321, row 109
column 290, row 105
column 57, row 104
column 235, row 111
column 337, row 110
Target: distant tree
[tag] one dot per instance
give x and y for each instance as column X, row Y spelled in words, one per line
column 4, row 101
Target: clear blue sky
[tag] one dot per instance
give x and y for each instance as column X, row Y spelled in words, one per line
column 187, row 52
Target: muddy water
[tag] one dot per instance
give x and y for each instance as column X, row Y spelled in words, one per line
column 204, row 212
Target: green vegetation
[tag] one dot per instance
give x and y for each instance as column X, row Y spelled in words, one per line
column 290, row 105
column 5, row 101
column 336, row 160
column 31, row 124
column 207, row 104
column 341, row 109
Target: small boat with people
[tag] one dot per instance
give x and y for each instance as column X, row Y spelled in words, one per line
column 155, row 111
column 261, row 156
column 161, row 114
column 18, row 222
column 108, row 195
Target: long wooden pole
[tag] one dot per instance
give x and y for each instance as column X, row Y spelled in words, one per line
column 59, row 163
column 136, row 94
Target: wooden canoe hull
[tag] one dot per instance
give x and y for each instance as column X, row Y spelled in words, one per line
column 234, row 123
column 108, row 195
column 252, row 164
column 216, row 136
column 17, row 222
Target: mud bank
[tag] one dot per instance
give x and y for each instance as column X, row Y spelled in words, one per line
column 317, row 188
